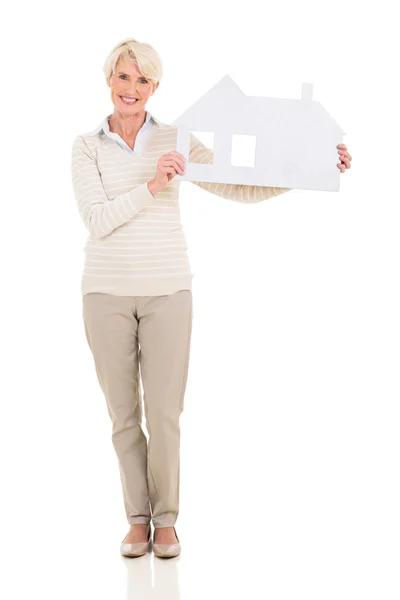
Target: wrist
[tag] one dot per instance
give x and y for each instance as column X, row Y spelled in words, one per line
column 153, row 188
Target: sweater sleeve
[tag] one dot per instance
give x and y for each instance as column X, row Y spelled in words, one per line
column 248, row 194
column 99, row 214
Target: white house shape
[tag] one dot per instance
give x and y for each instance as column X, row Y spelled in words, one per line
column 296, row 139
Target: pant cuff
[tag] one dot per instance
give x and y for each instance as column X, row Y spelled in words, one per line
column 139, row 520
column 157, row 523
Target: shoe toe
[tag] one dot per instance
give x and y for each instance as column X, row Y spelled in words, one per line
column 137, row 549
column 167, row 549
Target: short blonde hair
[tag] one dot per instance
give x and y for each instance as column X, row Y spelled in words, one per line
column 145, row 56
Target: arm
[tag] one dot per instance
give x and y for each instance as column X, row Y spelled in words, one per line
column 248, row 194
column 100, row 215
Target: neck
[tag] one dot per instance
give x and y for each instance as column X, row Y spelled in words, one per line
column 126, row 126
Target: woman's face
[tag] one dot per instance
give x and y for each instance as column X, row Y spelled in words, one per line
column 127, row 81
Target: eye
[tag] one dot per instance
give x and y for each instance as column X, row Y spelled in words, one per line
column 143, row 80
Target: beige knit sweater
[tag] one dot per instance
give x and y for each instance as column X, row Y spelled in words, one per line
column 136, row 245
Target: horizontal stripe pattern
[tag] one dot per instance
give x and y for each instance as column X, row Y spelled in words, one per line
column 248, row 194
column 136, row 245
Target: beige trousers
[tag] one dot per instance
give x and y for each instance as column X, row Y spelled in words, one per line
column 153, row 333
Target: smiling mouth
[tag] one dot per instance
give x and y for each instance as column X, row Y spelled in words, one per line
column 127, row 100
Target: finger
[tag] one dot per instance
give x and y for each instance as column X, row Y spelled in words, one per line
column 177, row 154
column 345, row 157
column 176, row 164
column 341, row 146
column 341, row 167
column 346, row 161
column 173, row 158
column 343, row 152
column 173, row 163
column 169, row 171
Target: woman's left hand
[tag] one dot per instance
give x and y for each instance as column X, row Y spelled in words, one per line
column 345, row 158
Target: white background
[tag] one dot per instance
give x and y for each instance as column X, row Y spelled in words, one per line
column 290, row 433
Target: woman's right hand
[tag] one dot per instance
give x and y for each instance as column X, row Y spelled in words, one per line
column 168, row 165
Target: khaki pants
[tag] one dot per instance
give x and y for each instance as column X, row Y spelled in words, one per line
column 153, row 333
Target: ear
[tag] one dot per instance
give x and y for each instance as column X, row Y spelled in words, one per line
column 155, row 87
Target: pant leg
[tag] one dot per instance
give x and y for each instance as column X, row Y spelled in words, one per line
column 112, row 333
column 165, row 327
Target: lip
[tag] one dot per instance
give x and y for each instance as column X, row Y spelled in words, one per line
column 126, row 103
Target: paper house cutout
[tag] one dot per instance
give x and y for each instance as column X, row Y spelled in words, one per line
column 295, row 146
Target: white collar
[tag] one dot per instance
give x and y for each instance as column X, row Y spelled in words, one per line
column 104, row 125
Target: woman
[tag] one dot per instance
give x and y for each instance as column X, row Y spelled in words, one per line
column 136, row 286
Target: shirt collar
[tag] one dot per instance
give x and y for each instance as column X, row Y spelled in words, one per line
column 104, row 125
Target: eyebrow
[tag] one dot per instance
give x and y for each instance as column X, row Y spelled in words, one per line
column 122, row 73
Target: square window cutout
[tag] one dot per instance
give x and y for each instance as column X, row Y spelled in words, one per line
column 206, row 138
column 243, row 150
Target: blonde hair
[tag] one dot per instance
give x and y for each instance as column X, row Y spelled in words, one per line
column 145, row 56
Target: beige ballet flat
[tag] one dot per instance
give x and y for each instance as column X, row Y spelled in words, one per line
column 166, row 550
column 138, row 548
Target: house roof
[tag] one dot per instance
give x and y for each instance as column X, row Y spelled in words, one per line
column 226, row 104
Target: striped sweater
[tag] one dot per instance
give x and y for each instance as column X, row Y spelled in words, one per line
column 136, row 245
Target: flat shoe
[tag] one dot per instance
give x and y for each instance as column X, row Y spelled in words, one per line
column 138, row 548
column 166, row 550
